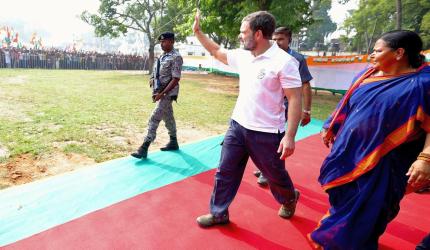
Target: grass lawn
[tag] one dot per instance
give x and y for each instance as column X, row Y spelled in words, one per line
column 103, row 114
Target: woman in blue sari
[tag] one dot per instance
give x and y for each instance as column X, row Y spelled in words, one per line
column 380, row 136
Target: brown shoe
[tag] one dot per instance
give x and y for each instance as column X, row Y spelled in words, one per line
column 287, row 210
column 209, row 220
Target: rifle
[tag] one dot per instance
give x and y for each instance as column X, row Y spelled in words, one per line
column 157, row 85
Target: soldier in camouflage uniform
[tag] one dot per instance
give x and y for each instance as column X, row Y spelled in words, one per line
column 165, row 83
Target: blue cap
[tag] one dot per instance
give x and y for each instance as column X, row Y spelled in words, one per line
column 166, row 36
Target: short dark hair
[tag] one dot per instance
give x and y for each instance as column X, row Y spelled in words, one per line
column 261, row 20
column 284, row 31
column 408, row 40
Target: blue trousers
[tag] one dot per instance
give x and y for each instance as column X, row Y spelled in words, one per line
column 424, row 244
column 240, row 144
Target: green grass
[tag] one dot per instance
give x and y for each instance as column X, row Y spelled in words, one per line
column 323, row 104
column 43, row 111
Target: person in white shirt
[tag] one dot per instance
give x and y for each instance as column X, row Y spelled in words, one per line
column 257, row 127
column 283, row 36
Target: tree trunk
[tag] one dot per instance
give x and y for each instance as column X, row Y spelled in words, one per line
column 151, row 56
column 371, row 37
column 399, row 14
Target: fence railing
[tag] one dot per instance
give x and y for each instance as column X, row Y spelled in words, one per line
column 40, row 60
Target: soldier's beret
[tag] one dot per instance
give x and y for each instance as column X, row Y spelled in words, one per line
column 166, row 36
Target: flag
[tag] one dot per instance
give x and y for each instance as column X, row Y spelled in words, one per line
column 7, row 40
column 15, row 39
column 33, row 38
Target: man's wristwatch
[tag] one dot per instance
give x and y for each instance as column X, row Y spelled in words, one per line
column 307, row 112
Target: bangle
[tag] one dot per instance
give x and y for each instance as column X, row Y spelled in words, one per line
column 307, row 111
column 424, row 157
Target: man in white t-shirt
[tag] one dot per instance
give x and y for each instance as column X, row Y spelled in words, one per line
column 257, row 128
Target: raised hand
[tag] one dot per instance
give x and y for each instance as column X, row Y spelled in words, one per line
column 196, row 25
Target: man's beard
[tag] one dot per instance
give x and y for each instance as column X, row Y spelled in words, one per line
column 249, row 44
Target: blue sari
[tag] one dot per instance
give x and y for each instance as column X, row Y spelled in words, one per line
column 379, row 129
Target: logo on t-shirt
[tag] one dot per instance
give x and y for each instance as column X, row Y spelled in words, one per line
column 261, row 74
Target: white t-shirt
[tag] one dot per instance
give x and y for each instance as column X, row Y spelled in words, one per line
column 260, row 104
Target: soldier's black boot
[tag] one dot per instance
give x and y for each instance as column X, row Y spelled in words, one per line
column 142, row 151
column 172, row 145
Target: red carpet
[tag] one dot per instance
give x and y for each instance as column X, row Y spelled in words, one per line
column 165, row 218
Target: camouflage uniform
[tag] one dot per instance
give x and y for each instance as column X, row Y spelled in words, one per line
column 170, row 67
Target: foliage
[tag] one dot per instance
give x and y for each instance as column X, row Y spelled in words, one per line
column 322, row 26
column 416, row 17
column 425, row 30
column 117, row 17
column 374, row 17
column 221, row 19
column 173, row 16
column 292, row 14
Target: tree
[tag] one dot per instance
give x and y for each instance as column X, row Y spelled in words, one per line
column 222, row 18
column 117, row 17
column 414, row 12
column 398, row 14
column 292, row 14
column 322, row 25
column 425, row 30
column 374, row 17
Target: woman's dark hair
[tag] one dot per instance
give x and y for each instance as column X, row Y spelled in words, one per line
column 261, row 20
column 408, row 40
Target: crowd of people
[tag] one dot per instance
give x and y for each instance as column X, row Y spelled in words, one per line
column 60, row 59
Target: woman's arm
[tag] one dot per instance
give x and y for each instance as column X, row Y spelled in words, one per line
column 419, row 172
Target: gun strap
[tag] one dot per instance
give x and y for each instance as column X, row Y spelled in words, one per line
column 157, row 73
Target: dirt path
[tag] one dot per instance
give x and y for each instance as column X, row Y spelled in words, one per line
column 27, row 168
